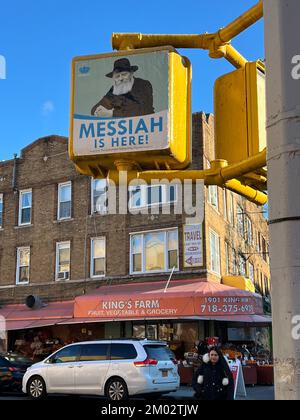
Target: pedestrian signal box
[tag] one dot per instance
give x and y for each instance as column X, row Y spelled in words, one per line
column 131, row 105
column 240, row 113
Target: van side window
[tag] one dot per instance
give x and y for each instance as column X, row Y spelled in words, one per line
column 122, row 352
column 94, row 352
column 66, row 355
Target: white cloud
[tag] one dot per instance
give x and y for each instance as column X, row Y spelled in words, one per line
column 47, row 108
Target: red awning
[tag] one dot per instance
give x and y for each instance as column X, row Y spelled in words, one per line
column 19, row 317
column 182, row 298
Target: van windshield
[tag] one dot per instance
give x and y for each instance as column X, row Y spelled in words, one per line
column 159, row 352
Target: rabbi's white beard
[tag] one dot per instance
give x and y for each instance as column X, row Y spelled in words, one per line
column 123, row 87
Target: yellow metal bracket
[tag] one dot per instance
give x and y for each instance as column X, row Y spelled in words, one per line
column 242, row 178
column 218, row 43
column 230, row 177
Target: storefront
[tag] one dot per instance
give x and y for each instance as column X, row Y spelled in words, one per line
column 183, row 314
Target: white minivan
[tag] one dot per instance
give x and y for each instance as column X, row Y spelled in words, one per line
column 117, row 369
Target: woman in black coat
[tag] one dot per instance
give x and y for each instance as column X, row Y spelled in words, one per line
column 213, row 381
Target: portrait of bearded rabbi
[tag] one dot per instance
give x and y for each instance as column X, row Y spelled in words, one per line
column 129, row 95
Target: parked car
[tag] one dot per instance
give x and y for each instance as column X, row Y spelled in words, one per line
column 117, row 369
column 12, row 368
column 18, row 360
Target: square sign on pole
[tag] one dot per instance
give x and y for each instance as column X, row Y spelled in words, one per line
column 131, row 105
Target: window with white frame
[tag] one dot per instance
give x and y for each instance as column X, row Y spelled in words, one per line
column 215, row 253
column 240, row 220
column 234, row 262
column 23, row 265
column 213, row 196
column 99, row 196
column 151, row 195
column 63, row 260
column 249, row 230
column 98, row 257
column 225, row 204
column 242, row 265
column 1, row 211
column 231, row 209
column 155, row 251
column 136, row 253
column 227, row 256
column 251, row 272
column 64, row 201
column 25, row 205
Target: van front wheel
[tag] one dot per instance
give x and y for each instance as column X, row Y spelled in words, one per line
column 36, row 388
column 116, row 390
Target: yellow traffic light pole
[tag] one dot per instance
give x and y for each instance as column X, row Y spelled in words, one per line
column 241, row 178
column 218, row 43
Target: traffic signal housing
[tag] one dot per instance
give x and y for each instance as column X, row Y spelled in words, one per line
column 240, row 113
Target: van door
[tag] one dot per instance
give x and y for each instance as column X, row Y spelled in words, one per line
column 60, row 370
column 91, row 371
column 163, row 367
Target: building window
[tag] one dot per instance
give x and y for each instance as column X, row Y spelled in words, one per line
column 135, row 197
column 155, row 251
column 142, row 196
column 227, row 256
column 251, row 272
column 231, row 210
column 264, row 248
column 23, row 265
column 240, row 220
column 98, row 257
column 225, row 204
column 242, row 266
column 99, row 196
column 25, row 205
column 235, row 270
column 266, row 284
column 213, row 196
column 1, row 211
column 215, row 253
column 172, row 237
column 64, row 201
column 63, row 256
column 249, row 231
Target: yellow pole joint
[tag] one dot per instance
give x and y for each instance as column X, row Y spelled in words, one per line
column 240, row 24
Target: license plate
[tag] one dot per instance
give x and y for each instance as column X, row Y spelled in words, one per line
column 164, row 373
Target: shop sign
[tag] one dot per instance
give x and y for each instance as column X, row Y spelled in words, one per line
column 192, row 239
column 125, row 105
column 163, row 306
column 238, row 377
column 226, row 305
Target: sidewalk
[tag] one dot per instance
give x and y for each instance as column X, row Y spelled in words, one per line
column 265, row 393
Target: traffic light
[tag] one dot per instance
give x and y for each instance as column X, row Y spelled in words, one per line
column 240, row 113
column 131, row 106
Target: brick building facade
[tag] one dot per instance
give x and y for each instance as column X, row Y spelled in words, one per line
column 32, row 190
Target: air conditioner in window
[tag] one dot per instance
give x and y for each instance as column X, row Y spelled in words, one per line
column 63, row 276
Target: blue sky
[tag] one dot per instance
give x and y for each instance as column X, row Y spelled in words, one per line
column 39, row 38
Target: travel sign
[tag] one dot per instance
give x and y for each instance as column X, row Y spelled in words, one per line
column 130, row 105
